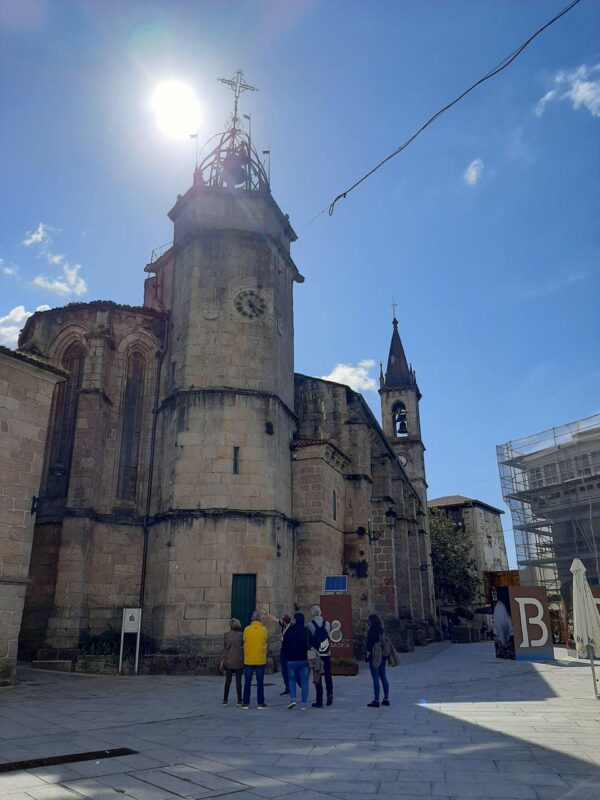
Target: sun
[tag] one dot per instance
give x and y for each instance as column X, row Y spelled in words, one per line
column 176, row 108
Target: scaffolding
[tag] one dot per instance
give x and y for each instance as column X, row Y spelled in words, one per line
column 551, row 483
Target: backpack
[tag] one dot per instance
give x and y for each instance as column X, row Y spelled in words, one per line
column 393, row 659
column 320, row 639
column 377, row 654
column 386, row 646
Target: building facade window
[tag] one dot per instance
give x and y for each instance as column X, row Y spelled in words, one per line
column 334, row 509
column 131, row 432
column 65, row 422
column 399, row 419
column 236, row 461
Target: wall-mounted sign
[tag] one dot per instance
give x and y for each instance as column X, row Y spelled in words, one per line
column 531, row 623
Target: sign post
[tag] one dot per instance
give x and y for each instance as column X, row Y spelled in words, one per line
column 132, row 621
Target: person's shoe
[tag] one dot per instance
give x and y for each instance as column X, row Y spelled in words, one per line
column 303, row 708
column 373, row 704
column 285, row 691
column 317, row 705
column 240, row 705
column 292, row 704
column 224, row 702
column 329, row 699
column 385, row 702
column 245, row 707
column 262, row 706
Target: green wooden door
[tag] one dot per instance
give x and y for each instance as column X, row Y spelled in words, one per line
column 243, row 597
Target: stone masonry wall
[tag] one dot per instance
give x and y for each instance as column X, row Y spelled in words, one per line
column 318, row 472
column 25, row 398
column 191, row 561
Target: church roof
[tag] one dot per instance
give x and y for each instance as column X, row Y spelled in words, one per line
column 398, row 374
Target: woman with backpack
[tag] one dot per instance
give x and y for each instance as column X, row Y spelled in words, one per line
column 374, row 656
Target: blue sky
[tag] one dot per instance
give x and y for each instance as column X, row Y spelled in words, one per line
column 485, row 230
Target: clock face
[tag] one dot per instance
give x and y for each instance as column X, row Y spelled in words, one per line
column 250, row 304
column 403, row 460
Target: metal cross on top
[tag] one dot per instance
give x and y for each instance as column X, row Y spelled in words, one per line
column 394, row 306
column 238, row 86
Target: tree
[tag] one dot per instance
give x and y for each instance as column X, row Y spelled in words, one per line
column 454, row 571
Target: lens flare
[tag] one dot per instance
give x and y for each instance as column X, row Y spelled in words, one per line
column 176, row 109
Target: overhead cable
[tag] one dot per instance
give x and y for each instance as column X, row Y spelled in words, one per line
column 492, row 73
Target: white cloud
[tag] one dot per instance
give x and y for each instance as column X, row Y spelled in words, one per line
column 580, row 86
column 473, row 172
column 12, row 272
column 41, row 235
column 11, row 324
column 70, row 282
column 356, row 377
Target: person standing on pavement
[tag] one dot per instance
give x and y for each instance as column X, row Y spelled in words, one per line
column 377, row 661
column 255, row 660
column 295, row 648
column 319, row 630
column 284, row 623
column 232, row 661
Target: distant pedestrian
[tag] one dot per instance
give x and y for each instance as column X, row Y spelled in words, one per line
column 319, row 631
column 232, row 662
column 295, row 647
column 376, row 659
column 284, row 623
column 255, row 660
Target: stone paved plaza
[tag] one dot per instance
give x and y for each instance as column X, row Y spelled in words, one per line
column 461, row 725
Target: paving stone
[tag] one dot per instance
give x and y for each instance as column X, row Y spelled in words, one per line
column 489, row 730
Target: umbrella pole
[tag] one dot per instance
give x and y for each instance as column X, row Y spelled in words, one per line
column 591, row 655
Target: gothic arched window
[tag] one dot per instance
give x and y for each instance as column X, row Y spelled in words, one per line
column 132, row 427
column 65, row 422
column 399, row 419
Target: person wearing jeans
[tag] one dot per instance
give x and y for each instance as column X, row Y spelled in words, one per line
column 295, row 648
column 255, row 660
column 377, row 665
column 249, row 670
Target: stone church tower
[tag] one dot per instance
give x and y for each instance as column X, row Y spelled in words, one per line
column 401, row 424
column 223, row 540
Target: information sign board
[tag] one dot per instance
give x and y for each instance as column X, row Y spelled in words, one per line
column 132, row 622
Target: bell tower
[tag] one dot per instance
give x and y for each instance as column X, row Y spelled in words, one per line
column 400, row 398
column 221, row 542
column 401, row 424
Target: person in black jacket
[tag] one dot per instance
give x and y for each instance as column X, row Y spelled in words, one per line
column 377, row 665
column 295, row 648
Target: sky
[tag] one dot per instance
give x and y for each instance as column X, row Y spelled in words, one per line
column 484, row 231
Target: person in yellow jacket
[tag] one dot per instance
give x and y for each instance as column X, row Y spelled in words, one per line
column 255, row 660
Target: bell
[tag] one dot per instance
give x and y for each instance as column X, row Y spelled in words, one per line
column 234, row 169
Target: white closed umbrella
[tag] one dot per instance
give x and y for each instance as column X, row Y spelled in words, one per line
column 586, row 619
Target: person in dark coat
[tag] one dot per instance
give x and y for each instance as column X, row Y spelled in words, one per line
column 377, row 664
column 232, row 662
column 295, row 648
